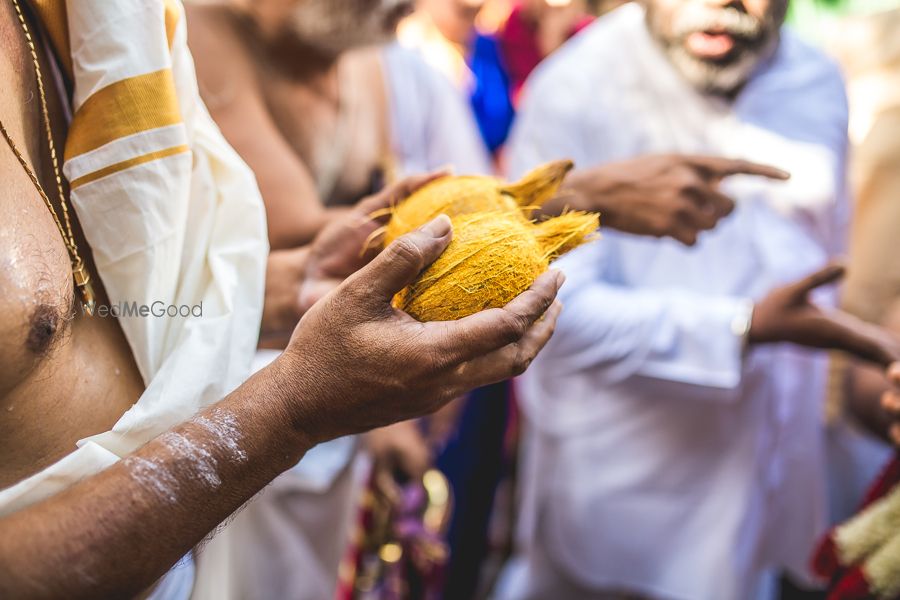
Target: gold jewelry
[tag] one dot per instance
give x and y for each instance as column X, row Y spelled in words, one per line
column 79, row 271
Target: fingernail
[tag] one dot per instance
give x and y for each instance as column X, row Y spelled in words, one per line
column 438, row 227
column 560, row 278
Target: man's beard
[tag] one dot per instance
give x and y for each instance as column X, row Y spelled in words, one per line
column 335, row 26
column 755, row 40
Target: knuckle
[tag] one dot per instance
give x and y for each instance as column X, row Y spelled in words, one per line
column 686, row 179
column 518, row 325
column 521, row 363
column 404, row 250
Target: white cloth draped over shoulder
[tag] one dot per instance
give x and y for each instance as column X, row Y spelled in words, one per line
column 661, row 457
column 172, row 215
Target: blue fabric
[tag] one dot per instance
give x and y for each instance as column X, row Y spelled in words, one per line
column 474, row 463
column 489, row 97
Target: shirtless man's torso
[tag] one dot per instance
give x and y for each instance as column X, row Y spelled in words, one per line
column 63, row 374
column 315, row 130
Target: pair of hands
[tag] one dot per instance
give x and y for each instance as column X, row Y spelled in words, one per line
column 355, row 363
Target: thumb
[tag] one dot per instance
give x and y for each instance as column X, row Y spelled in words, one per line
column 828, row 274
column 402, row 261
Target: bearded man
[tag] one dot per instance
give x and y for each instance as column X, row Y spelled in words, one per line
column 674, row 450
column 135, row 205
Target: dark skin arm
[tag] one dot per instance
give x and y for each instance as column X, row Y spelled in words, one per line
column 353, row 363
column 229, row 85
column 662, row 196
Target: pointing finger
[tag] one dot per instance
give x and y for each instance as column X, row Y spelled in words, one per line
column 828, row 274
column 716, row 166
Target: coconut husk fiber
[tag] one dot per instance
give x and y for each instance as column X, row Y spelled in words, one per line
column 454, row 196
column 497, row 251
column 493, row 257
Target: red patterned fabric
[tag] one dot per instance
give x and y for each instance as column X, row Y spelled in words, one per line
column 848, row 582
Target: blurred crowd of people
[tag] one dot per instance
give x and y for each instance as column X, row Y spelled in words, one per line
column 721, row 389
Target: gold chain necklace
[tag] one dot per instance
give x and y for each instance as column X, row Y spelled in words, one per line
column 79, row 271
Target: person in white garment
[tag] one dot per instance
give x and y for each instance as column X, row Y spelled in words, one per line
column 326, row 109
column 672, row 449
column 132, row 291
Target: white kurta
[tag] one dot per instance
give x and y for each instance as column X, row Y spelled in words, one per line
column 289, row 541
column 661, row 457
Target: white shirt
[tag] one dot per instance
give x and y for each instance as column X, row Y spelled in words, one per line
column 663, row 458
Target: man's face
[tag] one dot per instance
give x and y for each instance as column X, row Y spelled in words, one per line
column 716, row 44
column 338, row 25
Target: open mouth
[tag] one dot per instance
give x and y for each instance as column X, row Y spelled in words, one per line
column 710, row 45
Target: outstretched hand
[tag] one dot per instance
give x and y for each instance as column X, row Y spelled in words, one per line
column 786, row 314
column 358, row 363
column 664, row 195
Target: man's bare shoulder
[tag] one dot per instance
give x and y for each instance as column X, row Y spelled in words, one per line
column 220, row 52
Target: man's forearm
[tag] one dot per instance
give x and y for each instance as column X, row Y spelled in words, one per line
column 114, row 534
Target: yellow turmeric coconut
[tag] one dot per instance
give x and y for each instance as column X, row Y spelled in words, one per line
column 454, row 196
column 497, row 251
column 493, row 257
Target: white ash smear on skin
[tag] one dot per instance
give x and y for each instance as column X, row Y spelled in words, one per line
column 224, row 427
column 157, row 476
column 203, row 463
column 153, row 475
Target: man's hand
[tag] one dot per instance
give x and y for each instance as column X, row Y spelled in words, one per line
column 890, row 402
column 400, row 449
column 787, row 315
column 297, row 278
column 666, row 195
column 359, row 363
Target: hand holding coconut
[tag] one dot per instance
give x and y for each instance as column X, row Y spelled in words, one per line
column 497, row 250
column 662, row 196
column 355, row 362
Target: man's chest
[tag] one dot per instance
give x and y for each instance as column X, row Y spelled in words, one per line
column 344, row 141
